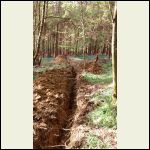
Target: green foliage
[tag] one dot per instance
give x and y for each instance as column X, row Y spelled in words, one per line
column 68, row 15
column 86, row 57
column 102, row 96
column 93, row 142
column 46, row 65
column 105, row 114
column 92, row 78
column 104, row 78
column 46, row 60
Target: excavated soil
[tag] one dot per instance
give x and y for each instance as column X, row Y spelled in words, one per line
column 52, row 101
column 90, row 66
column 79, row 128
column 60, row 59
column 61, row 102
column 54, row 104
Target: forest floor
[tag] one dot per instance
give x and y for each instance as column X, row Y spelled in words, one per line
column 73, row 104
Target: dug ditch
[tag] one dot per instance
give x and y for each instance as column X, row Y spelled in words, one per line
column 53, row 106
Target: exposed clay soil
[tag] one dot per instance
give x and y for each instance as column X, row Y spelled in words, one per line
column 61, row 102
column 61, row 59
column 52, row 105
column 89, row 66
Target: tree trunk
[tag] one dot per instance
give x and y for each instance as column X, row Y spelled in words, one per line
column 76, row 49
column 114, row 52
column 39, row 37
column 39, row 14
column 35, row 14
column 83, row 29
column 57, row 36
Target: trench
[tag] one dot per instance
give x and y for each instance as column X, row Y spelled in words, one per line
column 65, row 131
column 45, row 139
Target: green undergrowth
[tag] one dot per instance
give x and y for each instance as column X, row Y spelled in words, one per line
column 46, row 60
column 88, row 57
column 93, row 142
column 105, row 114
column 48, row 67
column 104, row 78
column 102, row 116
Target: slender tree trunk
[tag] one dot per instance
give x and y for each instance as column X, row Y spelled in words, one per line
column 39, row 11
column 114, row 51
column 57, row 36
column 35, row 14
column 54, row 49
column 76, row 49
column 50, row 46
column 83, row 29
column 39, row 37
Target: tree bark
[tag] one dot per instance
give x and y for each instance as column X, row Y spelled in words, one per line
column 114, row 51
column 39, row 37
column 39, row 14
column 83, row 29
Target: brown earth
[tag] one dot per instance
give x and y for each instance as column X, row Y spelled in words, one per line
column 90, row 66
column 52, row 104
column 61, row 59
column 61, row 102
column 54, row 96
column 79, row 127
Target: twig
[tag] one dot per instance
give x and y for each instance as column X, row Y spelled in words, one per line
column 65, row 129
column 57, row 145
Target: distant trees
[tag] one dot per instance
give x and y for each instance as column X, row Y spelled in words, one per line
column 71, row 28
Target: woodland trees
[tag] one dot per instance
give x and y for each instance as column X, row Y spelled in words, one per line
column 41, row 26
column 75, row 28
column 71, row 28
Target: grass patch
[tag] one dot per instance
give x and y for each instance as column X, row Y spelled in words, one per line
column 46, row 60
column 93, row 142
column 102, row 96
column 104, row 78
column 105, row 114
column 88, row 57
column 48, row 67
column 92, row 78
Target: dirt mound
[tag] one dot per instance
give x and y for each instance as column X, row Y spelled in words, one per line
column 90, row 66
column 61, row 59
column 51, row 106
column 94, row 68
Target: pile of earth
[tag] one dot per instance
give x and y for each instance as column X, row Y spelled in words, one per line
column 51, row 106
column 88, row 65
column 60, row 59
column 94, row 68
